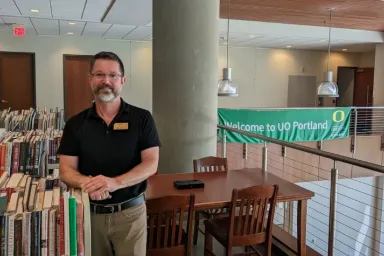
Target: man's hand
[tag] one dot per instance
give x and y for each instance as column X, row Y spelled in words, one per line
column 100, row 184
column 100, row 196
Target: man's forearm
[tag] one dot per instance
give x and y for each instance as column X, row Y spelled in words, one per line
column 138, row 174
column 72, row 177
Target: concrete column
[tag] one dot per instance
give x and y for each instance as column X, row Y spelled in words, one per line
column 185, row 65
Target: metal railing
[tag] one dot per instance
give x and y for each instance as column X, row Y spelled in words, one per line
column 369, row 121
column 324, row 207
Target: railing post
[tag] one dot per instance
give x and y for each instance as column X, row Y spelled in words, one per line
column 353, row 146
column 332, row 209
column 224, row 145
column 245, row 151
column 265, row 157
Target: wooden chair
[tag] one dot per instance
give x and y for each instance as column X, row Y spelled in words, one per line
column 250, row 226
column 166, row 235
column 208, row 164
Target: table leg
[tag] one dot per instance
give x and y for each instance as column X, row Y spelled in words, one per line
column 301, row 227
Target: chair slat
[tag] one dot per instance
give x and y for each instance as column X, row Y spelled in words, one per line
column 180, row 234
column 151, row 229
column 167, row 226
column 255, row 209
column 174, row 219
column 158, row 226
column 247, row 213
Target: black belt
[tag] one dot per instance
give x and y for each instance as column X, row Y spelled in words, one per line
column 108, row 209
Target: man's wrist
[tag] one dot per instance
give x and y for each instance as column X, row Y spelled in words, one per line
column 119, row 182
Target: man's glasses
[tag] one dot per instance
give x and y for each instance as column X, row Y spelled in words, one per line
column 100, row 76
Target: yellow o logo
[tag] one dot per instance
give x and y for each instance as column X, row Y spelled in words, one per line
column 338, row 116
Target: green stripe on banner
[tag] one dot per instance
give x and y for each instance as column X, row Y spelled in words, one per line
column 292, row 125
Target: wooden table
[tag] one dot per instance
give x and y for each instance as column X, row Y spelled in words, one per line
column 217, row 191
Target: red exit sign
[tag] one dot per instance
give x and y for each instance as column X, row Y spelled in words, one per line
column 19, row 31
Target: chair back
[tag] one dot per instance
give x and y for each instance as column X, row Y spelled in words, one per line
column 166, row 235
column 210, row 164
column 251, row 225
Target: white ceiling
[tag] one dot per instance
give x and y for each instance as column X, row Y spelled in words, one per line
column 132, row 20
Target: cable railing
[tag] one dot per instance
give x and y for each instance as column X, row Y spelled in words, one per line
column 345, row 217
column 369, row 121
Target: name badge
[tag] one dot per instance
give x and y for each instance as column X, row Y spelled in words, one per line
column 120, row 126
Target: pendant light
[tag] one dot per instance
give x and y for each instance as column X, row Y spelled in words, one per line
column 328, row 88
column 226, row 87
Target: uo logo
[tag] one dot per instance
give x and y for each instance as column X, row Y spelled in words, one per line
column 338, row 116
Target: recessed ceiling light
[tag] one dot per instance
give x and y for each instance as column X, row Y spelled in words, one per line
column 344, row 50
column 323, row 40
column 251, row 36
column 69, row 33
column 288, row 46
column 71, row 23
column 35, row 10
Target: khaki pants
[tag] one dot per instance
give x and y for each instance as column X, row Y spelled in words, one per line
column 121, row 233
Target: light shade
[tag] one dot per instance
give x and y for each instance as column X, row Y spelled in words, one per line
column 226, row 87
column 328, row 88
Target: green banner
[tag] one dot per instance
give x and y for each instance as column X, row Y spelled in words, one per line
column 293, row 125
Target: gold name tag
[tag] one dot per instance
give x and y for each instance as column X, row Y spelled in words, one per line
column 120, row 126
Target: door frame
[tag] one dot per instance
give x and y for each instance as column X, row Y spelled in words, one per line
column 354, row 80
column 64, row 58
column 33, row 71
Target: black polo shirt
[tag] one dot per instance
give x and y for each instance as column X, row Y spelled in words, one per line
column 101, row 149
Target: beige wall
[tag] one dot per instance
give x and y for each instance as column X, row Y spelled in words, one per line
column 262, row 74
column 49, row 65
column 378, row 87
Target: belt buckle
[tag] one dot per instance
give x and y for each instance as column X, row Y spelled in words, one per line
column 111, row 207
column 104, row 206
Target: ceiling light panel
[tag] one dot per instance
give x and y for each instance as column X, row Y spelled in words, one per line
column 139, row 33
column 46, row 26
column 95, row 9
column 130, row 12
column 68, row 9
column 43, row 7
column 66, row 27
column 118, row 31
column 95, row 29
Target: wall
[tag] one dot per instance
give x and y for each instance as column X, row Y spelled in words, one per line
column 137, row 58
column 262, row 74
column 378, row 87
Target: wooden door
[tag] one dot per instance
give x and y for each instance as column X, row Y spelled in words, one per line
column 363, row 97
column 77, row 91
column 363, row 92
column 17, row 80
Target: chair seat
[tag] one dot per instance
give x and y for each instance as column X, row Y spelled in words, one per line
column 218, row 228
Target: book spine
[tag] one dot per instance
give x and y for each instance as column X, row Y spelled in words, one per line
column 72, row 226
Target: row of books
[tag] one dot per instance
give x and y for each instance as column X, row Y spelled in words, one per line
column 24, row 120
column 29, row 152
column 41, row 216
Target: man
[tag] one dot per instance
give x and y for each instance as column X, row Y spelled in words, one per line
column 109, row 150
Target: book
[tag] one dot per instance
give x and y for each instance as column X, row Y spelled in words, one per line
column 29, row 152
column 42, row 216
column 31, row 119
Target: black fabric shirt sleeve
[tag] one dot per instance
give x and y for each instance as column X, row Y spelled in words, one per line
column 148, row 136
column 69, row 144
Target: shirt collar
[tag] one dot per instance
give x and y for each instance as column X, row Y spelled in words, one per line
column 124, row 108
